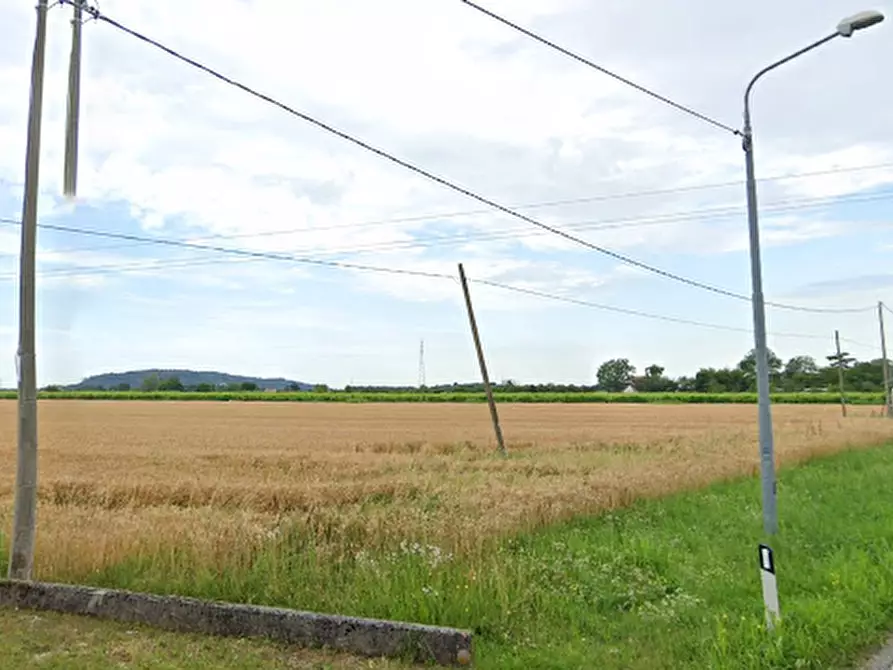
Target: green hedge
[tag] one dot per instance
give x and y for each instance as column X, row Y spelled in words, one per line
column 502, row 397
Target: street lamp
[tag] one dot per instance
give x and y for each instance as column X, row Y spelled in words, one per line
column 767, row 465
column 767, row 457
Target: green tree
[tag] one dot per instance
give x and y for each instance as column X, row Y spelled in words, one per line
column 248, row 386
column 615, row 375
column 170, row 384
column 748, row 365
column 654, row 381
column 685, row 384
column 150, row 382
column 204, row 388
column 843, row 359
column 801, row 365
column 800, row 372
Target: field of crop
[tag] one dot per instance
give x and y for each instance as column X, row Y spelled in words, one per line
column 503, row 396
column 405, row 511
column 123, row 479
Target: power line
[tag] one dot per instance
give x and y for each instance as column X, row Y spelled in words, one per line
column 768, row 207
column 437, row 179
column 777, row 207
column 244, row 252
column 603, row 70
column 632, row 312
column 257, row 255
column 253, row 256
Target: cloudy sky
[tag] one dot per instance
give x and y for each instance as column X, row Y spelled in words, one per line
column 168, row 152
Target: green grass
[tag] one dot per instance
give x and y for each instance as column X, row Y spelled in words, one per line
column 669, row 583
column 860, row 398
column 58, row 642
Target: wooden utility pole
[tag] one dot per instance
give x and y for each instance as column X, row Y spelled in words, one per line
column 483, row 364
column 840, row 372
column 888, row 409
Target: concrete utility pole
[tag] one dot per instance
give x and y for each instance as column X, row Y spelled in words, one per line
column 888, row 410
column 72, row 116
column 422, row 365
column 483, row 363
column 21, row 556
column 840, row 373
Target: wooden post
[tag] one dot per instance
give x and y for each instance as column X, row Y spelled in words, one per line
column 840, row 372
column 888, row 410
column 483, row 364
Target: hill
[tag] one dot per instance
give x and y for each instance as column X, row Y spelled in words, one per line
column 188, row 378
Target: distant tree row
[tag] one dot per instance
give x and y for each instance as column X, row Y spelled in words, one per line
column 800, row 373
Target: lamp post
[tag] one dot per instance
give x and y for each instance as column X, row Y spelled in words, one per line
column 845, row 28
column 767, row 464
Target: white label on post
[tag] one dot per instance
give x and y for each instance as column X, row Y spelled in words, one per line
column 770, row 587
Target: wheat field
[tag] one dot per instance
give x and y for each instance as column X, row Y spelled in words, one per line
column 120, row 479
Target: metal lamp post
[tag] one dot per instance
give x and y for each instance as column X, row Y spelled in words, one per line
column 767, row 456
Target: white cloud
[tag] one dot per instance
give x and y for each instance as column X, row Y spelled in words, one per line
column 445, row 87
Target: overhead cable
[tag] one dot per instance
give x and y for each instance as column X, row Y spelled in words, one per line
column 437, row 179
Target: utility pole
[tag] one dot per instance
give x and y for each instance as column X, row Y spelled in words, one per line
column 422, row 365
column 840, row 372
column 888, row 410
column 21, row 556
column 494, row 416
column 72, row 116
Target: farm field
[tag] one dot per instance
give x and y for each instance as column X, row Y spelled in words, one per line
column 405, row 511
column 120, row 480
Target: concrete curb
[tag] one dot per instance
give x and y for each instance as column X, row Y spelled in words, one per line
column 363, row 637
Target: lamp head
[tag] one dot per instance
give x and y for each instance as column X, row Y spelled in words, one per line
column 851, row 24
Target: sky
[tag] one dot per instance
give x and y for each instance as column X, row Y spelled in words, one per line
column 170, row 153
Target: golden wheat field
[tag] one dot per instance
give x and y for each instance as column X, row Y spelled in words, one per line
column 120, row 478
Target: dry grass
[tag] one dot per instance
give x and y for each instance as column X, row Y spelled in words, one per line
column 118, row 479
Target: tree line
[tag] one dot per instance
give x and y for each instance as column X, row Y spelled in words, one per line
column 798, row 374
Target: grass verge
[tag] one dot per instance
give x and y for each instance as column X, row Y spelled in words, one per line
column 669, row 583
column 58, row 642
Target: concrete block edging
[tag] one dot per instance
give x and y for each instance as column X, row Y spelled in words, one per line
column 360, row 636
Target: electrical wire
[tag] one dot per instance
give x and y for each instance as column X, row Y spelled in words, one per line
column 603, row 70
column 254, row 256
column 238, row 252
column 244, row 252
column 777, row 207
column 437, row 179
column 632, row 312
column 558, row 203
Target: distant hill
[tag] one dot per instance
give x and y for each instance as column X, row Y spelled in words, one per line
column 188, row 378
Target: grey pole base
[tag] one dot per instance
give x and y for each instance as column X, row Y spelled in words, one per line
column 363, row 637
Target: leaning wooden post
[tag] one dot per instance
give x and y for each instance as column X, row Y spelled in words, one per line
column 840, row 373
column 494, row 415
